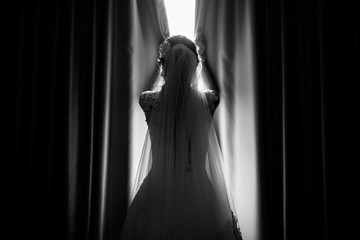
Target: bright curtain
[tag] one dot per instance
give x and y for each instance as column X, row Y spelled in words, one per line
column 227, row 27
column 149, row 28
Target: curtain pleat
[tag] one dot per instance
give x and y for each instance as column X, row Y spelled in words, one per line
column 227, row 27
column 149, row 28
column 308, row 118
column 66, row 85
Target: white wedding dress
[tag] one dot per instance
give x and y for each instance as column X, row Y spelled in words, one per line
column 180, row 192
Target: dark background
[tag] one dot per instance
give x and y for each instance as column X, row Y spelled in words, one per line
column 308, row 113
column 309, row 105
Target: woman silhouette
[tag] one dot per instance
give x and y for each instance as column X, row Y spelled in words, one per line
column 180, row 192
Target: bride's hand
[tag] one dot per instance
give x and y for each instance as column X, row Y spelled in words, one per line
column 200, row 46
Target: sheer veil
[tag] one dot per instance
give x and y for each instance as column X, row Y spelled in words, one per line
column 181, row 166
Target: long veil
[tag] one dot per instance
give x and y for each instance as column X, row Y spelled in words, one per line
column 181, row 168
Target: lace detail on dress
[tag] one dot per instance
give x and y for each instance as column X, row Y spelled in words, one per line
column 236, row 228
column 230, row 230
column 213, row 100
column 148, row 98
column 146, row 101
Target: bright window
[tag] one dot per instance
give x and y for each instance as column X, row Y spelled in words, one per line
column 181, row 17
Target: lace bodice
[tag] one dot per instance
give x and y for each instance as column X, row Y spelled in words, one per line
column 148, row 98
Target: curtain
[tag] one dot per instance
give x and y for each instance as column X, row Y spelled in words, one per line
column 65, row 106
column 307, row 67
column 149, row 27
column 227, row 27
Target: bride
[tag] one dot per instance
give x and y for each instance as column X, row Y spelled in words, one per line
column 180, row 191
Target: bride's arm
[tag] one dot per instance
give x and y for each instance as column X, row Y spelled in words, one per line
column 207, row 74
column 209, row 77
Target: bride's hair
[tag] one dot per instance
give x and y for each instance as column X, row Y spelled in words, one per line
column 165, row 50
column 173, row 40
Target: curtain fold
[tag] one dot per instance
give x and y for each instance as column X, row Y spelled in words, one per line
column 307, row 55
column 149, row 27
column 227, row 28
column 74, row 71
column 65, row 104
column 35, row 111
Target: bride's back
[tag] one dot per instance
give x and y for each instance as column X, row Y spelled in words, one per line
column 181, row 131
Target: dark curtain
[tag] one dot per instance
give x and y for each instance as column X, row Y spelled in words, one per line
column 66, row 64
column 308, row 92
